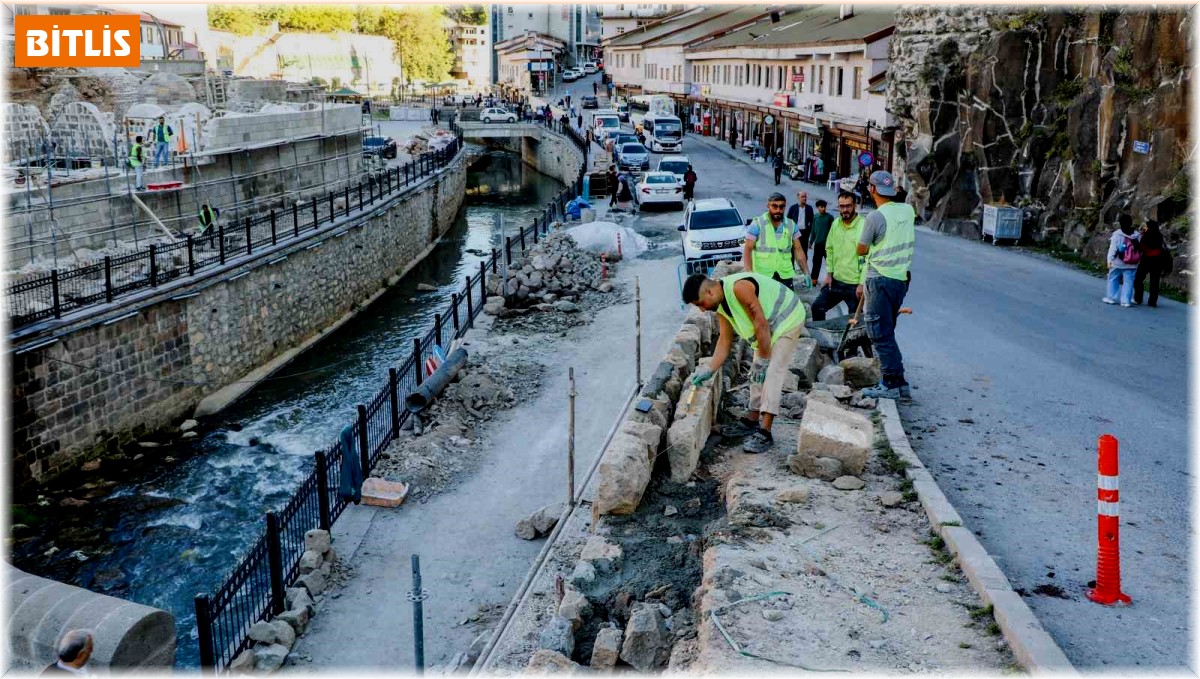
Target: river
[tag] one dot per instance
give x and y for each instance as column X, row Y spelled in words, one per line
column 264, row 447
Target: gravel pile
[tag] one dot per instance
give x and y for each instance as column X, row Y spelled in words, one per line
column 552, row 277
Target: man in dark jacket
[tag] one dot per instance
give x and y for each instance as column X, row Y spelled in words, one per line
column 802, row 214
column 689, row 184
column 610, row 181
column 778, row 167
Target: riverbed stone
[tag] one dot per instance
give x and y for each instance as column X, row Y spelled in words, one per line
column 317, row 540
column 270, row 657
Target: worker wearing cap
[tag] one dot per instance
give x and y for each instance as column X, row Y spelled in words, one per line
column 887, row 242
column 162, row 134
column 772, row 242
column 770, row 317
column 843, row 265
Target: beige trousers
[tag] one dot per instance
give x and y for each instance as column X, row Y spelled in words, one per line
column 765, row 397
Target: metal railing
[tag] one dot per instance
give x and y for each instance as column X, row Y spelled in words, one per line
column 39, row 296
column 255, row 590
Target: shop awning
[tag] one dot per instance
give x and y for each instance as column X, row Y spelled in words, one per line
column 809, row 128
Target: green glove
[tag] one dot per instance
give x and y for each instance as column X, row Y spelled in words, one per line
column 701, row 376
column 758, row 370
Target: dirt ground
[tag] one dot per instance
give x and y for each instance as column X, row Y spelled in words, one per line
column 839, row 582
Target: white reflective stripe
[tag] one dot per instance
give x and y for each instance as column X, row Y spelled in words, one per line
column 1104, row 508
column 1106, row 482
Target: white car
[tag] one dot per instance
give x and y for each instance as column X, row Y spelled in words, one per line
column 712, row 229
column 658, row 187
column 590, row 67
column 497, row 115
column 676, row 165
column 571, row 74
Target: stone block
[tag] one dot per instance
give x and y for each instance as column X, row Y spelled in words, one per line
column 604, row 556
column 688, row 341
column 314, row 582
column 860, row 372
column 270, row 657
column 574, row 607
column 297, row 618
column 546, row 661
column 623, row 475
column 298, row 597
column 317, row 540
column 262, row 632
column 607, row 648
column 829, row 431
column 647, row 644
column 378, row 492
column 647, row 433
column 309, row 562
column 558, row 635
column 243, row 663
column 689, row 432
column 831, row 374
column 806, row 361
column 284, row 634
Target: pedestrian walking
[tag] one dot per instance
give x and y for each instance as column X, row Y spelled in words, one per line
column 595, row 88
column 843, row 275
column 778, row 165
column 162, row 134
column 610, row 183
column 689, row 184
column 74, row 651
column 772, row 245
column 861, row 188
column 1123, row 259
column 822, row 221
column 624, row 194
column 802, row 213
column 137, row 157
column 887, row 242
column 765, row 314
column 1156, row 262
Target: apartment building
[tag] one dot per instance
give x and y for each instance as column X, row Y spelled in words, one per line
column 472, row 45
column 624, row 55
column 160, row 38
column 527, row 63
column 617, row 19
column 577, row 26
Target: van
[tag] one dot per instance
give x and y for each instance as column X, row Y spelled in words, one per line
column 664, row 133
column 602, row 122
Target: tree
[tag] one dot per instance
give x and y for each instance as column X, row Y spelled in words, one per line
column 239, row 19
column 418, row 33
column 475, row 15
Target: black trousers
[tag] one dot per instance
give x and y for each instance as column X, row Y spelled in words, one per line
column 778, row 174
column 818, row 256
column 1148, row 267
column 829, row 297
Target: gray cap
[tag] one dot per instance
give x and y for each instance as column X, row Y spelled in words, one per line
column 883, row 183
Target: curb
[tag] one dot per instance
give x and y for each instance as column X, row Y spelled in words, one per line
column 1034, row 648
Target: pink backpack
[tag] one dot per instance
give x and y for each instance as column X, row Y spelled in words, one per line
column 1130, row 254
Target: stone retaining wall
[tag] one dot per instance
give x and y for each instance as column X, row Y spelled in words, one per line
column 162, row 360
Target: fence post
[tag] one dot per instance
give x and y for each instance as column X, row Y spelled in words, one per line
column 470, row 305
column 249, row 237
column 54, row 293
column 191, row 249
column 331, row 215
column 507, row 251
column 323, row 491
column 274, row 237
column 204, row 632
column 275, row 562
column 363, row 445
column 535, row 234
column 394, row 389
column 221, row 242
column 482, row 287
column 417, row 360
column 153, row 266
column 454, row 311
column 522, row 241
column 360, row 200
column 108, row 291
column 346, row 194
column 296, row 220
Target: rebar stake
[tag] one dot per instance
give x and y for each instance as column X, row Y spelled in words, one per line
column 571, row 438
column 417, row 596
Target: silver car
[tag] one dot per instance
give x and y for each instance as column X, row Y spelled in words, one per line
column 633, row 157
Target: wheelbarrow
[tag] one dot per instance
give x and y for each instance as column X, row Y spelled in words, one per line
column 840, row 339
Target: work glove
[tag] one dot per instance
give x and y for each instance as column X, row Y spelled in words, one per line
column 701, row 376
column 758, row 370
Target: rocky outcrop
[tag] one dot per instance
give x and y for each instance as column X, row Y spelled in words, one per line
column 1041, row 110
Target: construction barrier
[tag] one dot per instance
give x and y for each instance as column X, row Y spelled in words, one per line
column 1108, row 549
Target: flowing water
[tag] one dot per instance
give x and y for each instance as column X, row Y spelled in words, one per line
column 256, row 460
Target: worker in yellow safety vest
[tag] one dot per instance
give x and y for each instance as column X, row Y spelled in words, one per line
column 843, row 265
column 771, row 244
column 162, row 134
column 208, row 218
column 888, row 241
column 769, row 316
column 137, row 158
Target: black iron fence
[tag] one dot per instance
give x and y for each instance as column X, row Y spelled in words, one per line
column 40, row 296
column 254, row 591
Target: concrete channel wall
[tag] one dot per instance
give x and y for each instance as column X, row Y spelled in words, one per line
column 149, row 361
column 125, row 636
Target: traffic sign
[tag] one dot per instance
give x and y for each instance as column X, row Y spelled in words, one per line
column 1142, row 147
column 866, row 159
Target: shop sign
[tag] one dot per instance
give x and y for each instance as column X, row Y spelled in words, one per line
column 782, row 100
column 855, row 144
column 798, row 77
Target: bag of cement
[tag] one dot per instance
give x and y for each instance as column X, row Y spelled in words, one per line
column 602, row 237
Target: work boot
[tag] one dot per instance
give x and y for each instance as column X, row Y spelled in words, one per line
column 883, row 391
column 739, row 428
column 760, row 441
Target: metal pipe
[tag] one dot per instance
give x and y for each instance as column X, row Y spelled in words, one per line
column 571, row 438
column 425, row 394
column 417, row 596
column 637, row 287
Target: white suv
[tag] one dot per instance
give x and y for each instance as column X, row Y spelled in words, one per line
column 712, row 229
column 497, row 115
column 589, row 67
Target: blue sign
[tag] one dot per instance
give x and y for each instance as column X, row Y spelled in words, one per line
column 1142, row 147
column 866, row 159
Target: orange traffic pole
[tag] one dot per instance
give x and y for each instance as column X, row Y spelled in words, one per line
column 1108, row 549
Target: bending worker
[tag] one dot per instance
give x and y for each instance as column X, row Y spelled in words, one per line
column 208, row 217
column 770, row 317
column 843, row 266
column 888, row 241
column 772, row 243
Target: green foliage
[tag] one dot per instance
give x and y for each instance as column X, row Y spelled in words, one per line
column 1095, row 167
column 1026, row 21
column 963, row 644
column 475, row 15
column 239, row 19
column 1066, row 91
column 1179, row 189
column 981, row 612
column 418, row 31
column 248, row 19
column 1125, row 76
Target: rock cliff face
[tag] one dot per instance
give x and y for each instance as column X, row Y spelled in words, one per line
column 1050, row 111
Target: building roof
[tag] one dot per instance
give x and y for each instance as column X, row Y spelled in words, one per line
column 807, row 25
column 877, row 84
column 714, row 26
column 146, row 17
column 667, row 26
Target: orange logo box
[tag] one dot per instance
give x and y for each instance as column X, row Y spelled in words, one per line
column 90, row 41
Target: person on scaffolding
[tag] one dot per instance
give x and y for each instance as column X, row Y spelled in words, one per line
column 163, row 134
column 208, row 219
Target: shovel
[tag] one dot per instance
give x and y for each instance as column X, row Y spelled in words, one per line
column 850, row 324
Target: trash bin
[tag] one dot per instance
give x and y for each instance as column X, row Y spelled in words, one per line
column 1000, row 221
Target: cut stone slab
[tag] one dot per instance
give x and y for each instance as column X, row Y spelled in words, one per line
column 317, row 540
column 377, row 492
column 806, row 361
column 624, row 473
column 558, row 635
column 607, row 648
column 647, row 644
column 694, row 418
column 849, row 483
column 860, row 372
column 574, row 607
column 829, row 431
column 551, row 662
column 649, row 434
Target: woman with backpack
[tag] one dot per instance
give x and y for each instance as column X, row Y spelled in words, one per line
column 1123, row 258
column 1155, row 263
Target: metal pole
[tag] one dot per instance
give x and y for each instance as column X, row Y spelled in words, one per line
column 204, row 632
column 571, row 438
column 417, row 596
column 326, row 517
column 275, row 562
column 637, row 292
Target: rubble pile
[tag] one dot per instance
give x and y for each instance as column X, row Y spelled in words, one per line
column 552, row 277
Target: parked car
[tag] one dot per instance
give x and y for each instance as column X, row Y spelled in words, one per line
column 676, row 165
column 623, row 111
column 589, row 101
column 589, row 67
column 384, row 147
column 659, row 187
column 571, row 75
column 625, row 138
column 497, row 115
column 712, row 229
column 632, row 156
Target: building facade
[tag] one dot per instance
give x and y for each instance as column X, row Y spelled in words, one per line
column 472, row 45
column 577, row 26
column 617, row 19
column 528, row 64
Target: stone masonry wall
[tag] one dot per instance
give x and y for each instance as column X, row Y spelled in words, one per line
column 154, row 367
